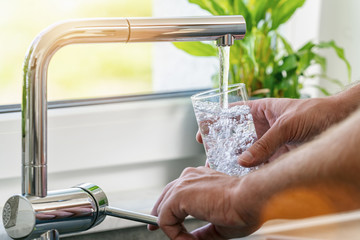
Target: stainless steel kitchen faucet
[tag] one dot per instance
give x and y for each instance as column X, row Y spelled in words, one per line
column 38, row 211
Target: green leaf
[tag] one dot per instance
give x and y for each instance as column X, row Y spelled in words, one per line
column 307, row 46
column 287, row 45
column 305, row 60
column 321, row 61
column 220, row 8
column 307, row 57
column 289, row 63
column 204, row 4
column 269, row 83
column 241, row 9
column 283, row 11
column 248, row 46
column 323, row 90
column 291, row 85
column 260, row 9
column 197, row 48
column 340, row 53
column 212, row 6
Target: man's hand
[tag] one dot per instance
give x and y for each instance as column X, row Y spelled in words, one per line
column 283, row 124
column 207, row 195
column 319, row 177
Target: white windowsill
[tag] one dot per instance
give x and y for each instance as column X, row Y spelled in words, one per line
column 132, row 150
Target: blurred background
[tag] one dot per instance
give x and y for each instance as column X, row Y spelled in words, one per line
column 76, row 71
column 104, row 70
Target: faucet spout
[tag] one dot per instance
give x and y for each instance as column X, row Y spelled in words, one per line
column 34, row 102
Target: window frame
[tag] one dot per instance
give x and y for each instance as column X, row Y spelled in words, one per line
column 10, row 108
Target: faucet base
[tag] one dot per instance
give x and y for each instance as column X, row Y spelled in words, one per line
column 68, row 210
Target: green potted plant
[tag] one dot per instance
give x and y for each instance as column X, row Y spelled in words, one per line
column 264, row 60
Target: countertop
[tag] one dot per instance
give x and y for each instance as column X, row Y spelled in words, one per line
column 331, row 227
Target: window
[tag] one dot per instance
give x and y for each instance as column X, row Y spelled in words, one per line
column 76, row 71
column 92, row 70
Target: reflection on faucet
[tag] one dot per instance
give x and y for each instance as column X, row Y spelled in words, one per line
column 71, row 212
column 64, row 204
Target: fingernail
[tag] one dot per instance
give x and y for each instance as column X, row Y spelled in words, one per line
column 246, row 157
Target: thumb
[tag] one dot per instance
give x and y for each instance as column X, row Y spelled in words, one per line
column 263, row 148
column 207, row 232
column 199, row 137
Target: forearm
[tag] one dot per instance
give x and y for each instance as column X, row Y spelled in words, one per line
column 346, row 101
column 320, row 177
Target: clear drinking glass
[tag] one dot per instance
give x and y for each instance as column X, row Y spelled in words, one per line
column 226, row 126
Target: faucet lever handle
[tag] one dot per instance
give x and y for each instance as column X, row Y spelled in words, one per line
column 50, row 235
column 130, row 215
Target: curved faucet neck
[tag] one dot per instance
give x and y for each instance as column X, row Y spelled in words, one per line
column 34, row 102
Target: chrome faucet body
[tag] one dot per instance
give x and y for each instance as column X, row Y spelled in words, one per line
column 34, row 103
column 223, row 29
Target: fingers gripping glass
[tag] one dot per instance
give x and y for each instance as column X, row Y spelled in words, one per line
column 226, row 127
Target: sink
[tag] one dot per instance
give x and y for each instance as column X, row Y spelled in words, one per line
column 137, row 232
column 330, row 227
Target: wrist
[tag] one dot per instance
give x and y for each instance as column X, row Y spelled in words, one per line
column 250, row 196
